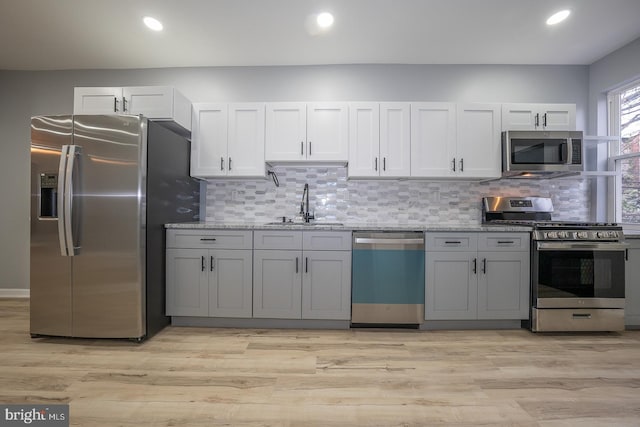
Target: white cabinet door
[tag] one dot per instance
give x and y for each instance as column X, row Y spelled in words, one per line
column 451, row 286
column 364, row 140
column 326, row 285
column 286, row 131
column 245, row 143
column 327, row 132
column 209, row 140
column 395, row 139
column 538, row 116
column 97, row 100
column 503, row 285
column 230, row 283
column 277, row 284
column 519, row 116
column 150, row 101
column 478, row 141
column 187, row 282
column 559, row 117
column 433, row 139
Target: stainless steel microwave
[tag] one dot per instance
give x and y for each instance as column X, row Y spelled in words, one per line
column 541, row 154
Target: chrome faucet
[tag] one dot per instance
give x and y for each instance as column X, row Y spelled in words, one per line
column 304, row 205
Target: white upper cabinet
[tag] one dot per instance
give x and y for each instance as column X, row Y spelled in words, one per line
column 97, row 100
column 364, row 140
column 306, row 132
column 379, row 140
column 154, row 102
column 245, row 140
column 286, row 131
column 538, row 116
column 433, row 139
column 458, row 141
column 478, row 152
column 228, row 140
column 395, row 139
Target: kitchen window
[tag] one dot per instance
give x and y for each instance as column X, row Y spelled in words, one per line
column 624, row 120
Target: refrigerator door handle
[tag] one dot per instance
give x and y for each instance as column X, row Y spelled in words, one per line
column 73, row 151
column 62, row 168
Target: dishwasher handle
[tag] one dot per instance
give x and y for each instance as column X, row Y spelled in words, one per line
column 391, row 241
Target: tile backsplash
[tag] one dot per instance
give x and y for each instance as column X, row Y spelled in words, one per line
column 334, row 198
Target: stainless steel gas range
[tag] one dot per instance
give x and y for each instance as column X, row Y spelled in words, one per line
column 577, row 268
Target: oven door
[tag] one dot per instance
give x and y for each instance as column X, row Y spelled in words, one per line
column 589, row 275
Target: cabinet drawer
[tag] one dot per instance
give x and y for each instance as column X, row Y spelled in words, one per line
column 451, row 241
column 326, row 241
column 277, row 239
column 503, row 242
column 214, row 239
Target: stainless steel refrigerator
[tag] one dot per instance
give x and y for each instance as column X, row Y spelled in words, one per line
column 102, row 188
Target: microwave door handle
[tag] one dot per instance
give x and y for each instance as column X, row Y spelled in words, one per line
column 569, row 151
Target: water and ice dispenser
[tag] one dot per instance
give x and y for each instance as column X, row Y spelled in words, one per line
column 48, row 196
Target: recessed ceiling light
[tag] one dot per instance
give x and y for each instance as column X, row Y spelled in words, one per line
column 558, row 17
column 152, row 23
column 324, row 20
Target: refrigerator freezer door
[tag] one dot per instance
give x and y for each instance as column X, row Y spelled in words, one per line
column 108, row 212
column 50, row 294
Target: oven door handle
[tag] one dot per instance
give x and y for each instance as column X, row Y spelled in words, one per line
column 572, row 246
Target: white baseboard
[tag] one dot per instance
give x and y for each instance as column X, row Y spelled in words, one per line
column 14, row 293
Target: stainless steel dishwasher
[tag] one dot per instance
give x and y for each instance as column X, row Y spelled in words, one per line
column 387, row 278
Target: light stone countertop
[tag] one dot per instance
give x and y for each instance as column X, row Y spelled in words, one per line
column 369, row 226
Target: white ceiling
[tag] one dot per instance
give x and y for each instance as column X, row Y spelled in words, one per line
column 81, row 34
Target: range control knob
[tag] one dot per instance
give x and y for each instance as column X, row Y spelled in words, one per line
column 563, row 234
column 582, row 235
column 552, row 234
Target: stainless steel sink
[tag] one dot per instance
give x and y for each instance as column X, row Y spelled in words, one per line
column 310, row 224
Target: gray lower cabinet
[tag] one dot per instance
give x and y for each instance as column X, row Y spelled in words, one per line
column 302, row 275
column 209, row 273
column 632, row 288
column 477, row 276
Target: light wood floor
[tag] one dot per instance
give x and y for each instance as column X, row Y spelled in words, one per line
column 235, row 377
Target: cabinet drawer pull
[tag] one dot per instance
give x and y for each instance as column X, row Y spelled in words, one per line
column 296, row 265
column 484, row 266
column 306, row 264
column 302, row 148
column 376, row 165
column 453, row 162
column 115, row 104
column 221, row 163
column 475, row 266
column 461, row 165
column 202, row 264
column 212, row 263
column 506, row 242
column 452, row 242
column 581, row 315
column 124, row 104
column 309, row 147
column 384, row 163
column 229, row 163
column 208, row 239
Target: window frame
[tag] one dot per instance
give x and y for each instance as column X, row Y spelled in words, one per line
column 614, row 209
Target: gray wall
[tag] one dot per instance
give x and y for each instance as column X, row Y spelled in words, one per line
column 24, row 94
